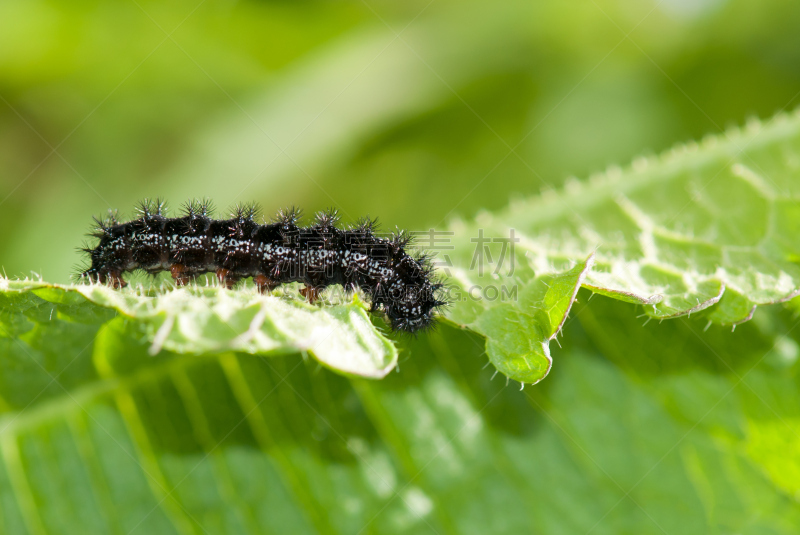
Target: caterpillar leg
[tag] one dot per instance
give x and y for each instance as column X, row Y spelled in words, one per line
column 178, row 272
column 114, row 278
column 311, row 293
column 224, row 277
column 264, row 284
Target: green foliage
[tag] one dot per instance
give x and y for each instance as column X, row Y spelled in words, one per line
column 420, row 113
column 674, row 430
column 205, row 320
column 718, row 221
column 701, row 225
column 149, row 408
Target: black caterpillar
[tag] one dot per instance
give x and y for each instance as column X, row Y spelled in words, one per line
column 276, row 253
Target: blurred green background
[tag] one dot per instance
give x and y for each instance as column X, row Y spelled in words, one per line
column 416, row 112
column 411, row 111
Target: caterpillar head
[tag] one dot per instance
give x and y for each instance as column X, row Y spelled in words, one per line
column 412, row 308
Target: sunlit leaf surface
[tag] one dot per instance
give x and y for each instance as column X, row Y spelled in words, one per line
column 128, row 413
column 199, row 320
column 99, row 434
column 712, row 225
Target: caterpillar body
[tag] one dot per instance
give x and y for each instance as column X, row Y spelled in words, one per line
column 275, row 253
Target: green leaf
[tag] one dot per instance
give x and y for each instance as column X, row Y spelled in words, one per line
column 663, row 428
column 198, row 320
column 518, row 320
column 710, row 224
column 646, row 438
